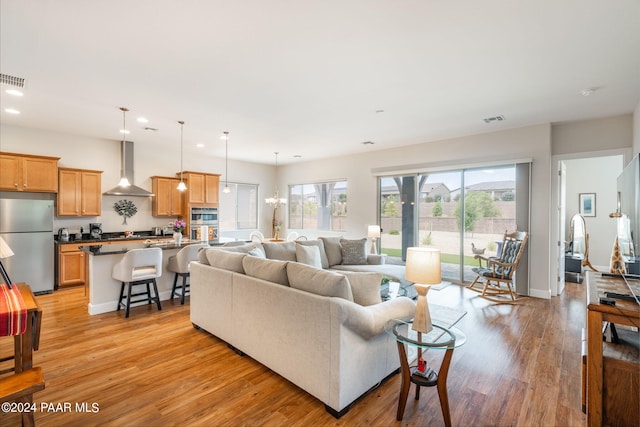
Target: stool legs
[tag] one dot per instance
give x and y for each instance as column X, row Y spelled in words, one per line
column 183, row 287
column 148, row 297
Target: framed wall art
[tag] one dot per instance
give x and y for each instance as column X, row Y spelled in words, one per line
column 588, row 204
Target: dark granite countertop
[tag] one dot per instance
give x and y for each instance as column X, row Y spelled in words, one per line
column 112, row 237
column 124, row 247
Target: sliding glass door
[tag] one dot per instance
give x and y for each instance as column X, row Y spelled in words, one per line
column 463, row 213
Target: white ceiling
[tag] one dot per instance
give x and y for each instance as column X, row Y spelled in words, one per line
column 306, row 77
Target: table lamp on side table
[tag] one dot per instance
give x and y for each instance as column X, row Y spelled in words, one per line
column 373, row 232
column 423, row 269
column 5, row 252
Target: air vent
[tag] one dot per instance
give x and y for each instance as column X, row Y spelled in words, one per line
column 368, row 142
column 494, row 119
column 6, row 79
column 151, row 129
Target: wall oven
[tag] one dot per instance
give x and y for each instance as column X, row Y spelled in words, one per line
column 203, row 220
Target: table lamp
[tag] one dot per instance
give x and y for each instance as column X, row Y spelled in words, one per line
column 423, row 269
column 374, row 234
column 5, row 252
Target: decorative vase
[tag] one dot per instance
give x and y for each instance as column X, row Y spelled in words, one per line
column 177, row 237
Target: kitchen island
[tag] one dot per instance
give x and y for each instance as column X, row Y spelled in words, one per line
column 104, row 291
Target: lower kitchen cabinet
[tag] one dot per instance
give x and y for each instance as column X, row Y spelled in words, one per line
column 72, row 265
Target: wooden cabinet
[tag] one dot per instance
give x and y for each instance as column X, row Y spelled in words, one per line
column 202, row 188
column 168, row 200
column 79, row 192
column 24, row 172
column 72, row 265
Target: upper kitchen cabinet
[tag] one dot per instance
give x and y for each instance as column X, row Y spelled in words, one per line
column 79, row 193
column 25, row 172
column 202, row 188
column 168, row 200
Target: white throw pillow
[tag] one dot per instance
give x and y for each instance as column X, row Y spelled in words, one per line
column 231, row 261
column 309, row 255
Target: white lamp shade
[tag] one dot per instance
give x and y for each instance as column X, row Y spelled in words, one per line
column 374, row 231
column 423, row 266
column 5, row 250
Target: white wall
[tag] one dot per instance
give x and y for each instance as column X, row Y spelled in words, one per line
column 636, row 130
column 595, row 175
column 529, row 142
column 103, row 154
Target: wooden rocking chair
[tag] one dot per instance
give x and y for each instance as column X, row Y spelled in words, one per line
column 494, row 282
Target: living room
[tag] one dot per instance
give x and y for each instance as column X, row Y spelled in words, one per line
column 604, row 123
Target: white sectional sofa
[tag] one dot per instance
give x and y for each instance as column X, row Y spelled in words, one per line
column 322, row 330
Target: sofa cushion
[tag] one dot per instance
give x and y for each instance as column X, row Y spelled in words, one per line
column 320, row 244
column 319, row 282
column 266, row 269
column 226, row 260
column 281, row 251
column 365, row 287
column 333, row 249
column 244, row 249
column 257, row 252
column 309, row 255
column 202, row 256
column 353, row 251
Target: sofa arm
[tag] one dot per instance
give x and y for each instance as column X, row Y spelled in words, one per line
column 369, row 321
column 375, row 259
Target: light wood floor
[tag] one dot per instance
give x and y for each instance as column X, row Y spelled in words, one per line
column 519, row 367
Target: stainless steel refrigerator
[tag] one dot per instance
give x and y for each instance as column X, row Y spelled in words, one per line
column 27, row 227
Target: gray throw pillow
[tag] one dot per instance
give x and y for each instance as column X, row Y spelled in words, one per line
column 333, row 249
column 281, row 251
column 309, row 255
column 354, row 251
column 320, row 244
column 365, row 287
column 319, row 282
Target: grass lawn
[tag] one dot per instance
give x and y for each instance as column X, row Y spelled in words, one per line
column 446, row 258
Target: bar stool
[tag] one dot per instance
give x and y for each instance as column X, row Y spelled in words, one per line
column 179, row 264
column 138, row 267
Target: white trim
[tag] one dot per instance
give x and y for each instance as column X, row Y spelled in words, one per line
column 448, row 165
column 540, row 293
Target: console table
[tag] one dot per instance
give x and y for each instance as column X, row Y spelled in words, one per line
column 612, row 371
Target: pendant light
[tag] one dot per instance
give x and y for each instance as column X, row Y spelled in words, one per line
column 124, row 181
column 181, row 185
column 226, row 188
column 276, row 200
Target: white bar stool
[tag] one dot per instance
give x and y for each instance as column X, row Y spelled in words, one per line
column 138, row 267
column 179, row 264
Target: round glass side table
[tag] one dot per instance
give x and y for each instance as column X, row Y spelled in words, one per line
column 440, row 338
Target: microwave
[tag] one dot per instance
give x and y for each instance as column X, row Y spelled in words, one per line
column 203, row 216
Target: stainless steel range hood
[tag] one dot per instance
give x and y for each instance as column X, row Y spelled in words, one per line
column 127, row 170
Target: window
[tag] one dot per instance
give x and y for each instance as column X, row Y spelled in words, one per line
column 319, row 206
column 239, row 208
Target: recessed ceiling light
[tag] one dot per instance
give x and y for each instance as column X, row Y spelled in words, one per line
column 201, row 145
column 124, row 131
column 379, row 111
column 368, row 143
column 14, row 92
column 11, row 111
column 142, row 120
column 588, row 91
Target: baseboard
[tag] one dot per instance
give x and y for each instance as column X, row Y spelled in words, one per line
column 106, row 307
column 539, row 293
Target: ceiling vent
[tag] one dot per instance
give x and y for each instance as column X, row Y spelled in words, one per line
column 494, row 119
column 6, row 79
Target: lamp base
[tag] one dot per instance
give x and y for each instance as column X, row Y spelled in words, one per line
column 374, row 247
column 422, row 317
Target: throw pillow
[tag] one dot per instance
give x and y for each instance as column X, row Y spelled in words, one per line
column 226, row 260
column 354, row 251
column 309, row 255
column 333, row 250
column 257, row 252
column 365, row 287
column 266, row 269
column 317, row 281
column 319, row 243
column 281, row 251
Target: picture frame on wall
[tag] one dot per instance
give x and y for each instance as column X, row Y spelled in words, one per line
column 587, row 204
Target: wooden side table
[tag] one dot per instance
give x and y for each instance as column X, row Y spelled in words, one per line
column 26, row 343
column 441, row 338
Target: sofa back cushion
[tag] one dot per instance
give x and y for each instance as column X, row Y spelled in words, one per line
column 365, row 287
column 320, row 244
column 333, row 249
column 309, row 255
column 266, row 269
column 285, row 251
column 319, row 282
column 354, row 252
column 225, row 260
